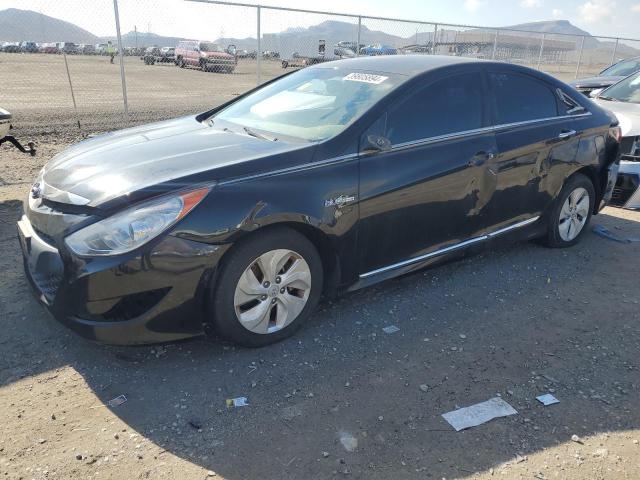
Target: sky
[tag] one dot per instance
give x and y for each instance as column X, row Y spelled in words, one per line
column 196, row 20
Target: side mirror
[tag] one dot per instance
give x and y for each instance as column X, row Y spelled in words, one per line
column 375, row 144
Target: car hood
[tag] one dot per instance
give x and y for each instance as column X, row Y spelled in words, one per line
column 628, row 114
column 595, row 82
column 111, row 165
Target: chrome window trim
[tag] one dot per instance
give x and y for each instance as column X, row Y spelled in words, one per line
column 450, row 248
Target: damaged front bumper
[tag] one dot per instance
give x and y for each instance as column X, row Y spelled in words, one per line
column 149, row 296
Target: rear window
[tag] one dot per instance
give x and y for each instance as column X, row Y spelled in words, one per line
column 519, row 98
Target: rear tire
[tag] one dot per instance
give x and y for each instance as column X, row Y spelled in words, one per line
column 571, row 212
column 267, row 287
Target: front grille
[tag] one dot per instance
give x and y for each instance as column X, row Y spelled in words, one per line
column 626, row 185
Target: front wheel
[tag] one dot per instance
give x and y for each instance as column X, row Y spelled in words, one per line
column 267, row 287
column 571, row 212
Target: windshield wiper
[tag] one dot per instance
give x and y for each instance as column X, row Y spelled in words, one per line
column 608, row 99
column 253, row 133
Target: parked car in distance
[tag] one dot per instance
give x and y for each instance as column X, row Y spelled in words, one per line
column 29, row 47
column 208, row 56
column 167, row 55
column 331, row 178
column 242, row 53
column 623, row 99
column 353, row 46
column 341, row 52
column 69, row 48
column 608, row 76
column 378, row 49
column 101, row 48
column 150, row 55
column 49, row 48
column 12, row 48
column 88, row 49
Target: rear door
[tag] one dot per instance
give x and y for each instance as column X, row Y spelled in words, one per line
column 422, row 193
column 532, row 134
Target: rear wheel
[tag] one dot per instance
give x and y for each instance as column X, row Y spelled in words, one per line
column 268, row 286
column 571, row 212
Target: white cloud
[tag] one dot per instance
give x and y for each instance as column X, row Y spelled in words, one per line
column 473, row 5
column 530, row 3
column 557, row 13
column 635, row 8
column 597, row 11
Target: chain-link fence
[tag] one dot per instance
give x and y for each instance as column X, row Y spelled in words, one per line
column 156, row 59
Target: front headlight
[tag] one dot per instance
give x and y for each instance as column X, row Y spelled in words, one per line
column 133, row 227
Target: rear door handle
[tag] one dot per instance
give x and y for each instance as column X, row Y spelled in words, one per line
column 567, row 134
column 480, row 158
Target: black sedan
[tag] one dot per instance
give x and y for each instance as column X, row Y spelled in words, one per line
column 234, row 221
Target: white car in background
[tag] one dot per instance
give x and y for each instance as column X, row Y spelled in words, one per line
column 623, row 99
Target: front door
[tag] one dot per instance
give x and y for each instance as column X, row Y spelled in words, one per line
column 423, row 191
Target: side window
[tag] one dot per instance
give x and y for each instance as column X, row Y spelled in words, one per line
column 569, row 106
column 451, row 105
column 519, row 98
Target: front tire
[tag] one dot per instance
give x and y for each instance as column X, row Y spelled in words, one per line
column 571, row 212
column 267, row 288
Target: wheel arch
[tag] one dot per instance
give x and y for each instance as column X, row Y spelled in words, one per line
column 319, row 239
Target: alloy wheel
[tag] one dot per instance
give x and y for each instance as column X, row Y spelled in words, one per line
column 272, row 291
column 574, row 214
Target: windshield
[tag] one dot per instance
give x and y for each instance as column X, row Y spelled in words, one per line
column 210, row 47
column 312, row 104
column 622, row 69
column 627, row 90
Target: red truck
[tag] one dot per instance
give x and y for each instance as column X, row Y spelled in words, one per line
column 210, row 57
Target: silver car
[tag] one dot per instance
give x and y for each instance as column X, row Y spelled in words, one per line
column 623, row 99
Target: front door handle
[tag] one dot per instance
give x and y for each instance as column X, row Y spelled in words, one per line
column 567, row 134
column 480, row 158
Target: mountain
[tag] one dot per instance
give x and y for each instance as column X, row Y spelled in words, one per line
column 26, row 25
column 141, row 39
column 563, row 27
column 305, row 40
column 551, row 26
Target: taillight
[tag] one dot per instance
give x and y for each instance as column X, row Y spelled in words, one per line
column 616, row 132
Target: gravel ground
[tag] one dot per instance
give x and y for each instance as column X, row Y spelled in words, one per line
column 343, row 398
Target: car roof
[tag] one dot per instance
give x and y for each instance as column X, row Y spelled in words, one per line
column 410, row 65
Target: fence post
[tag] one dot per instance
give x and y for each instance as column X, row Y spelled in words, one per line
column 120, row 52
column 579, row 57
column 259, row 52
column 359, row 30
column 541, row 50
column 615, row 50
column 435, row 36
column 73, row 97
column 495, row 45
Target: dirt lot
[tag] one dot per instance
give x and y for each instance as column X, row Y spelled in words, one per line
column 342, row 398
column 36, row 90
